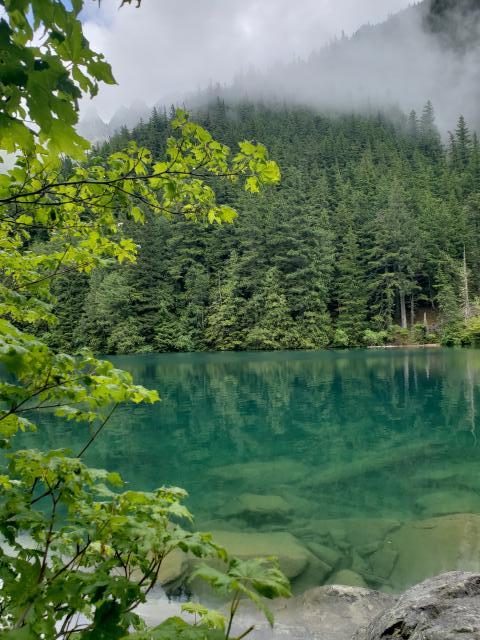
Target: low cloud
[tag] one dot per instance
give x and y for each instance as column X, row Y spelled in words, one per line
column 166, row 49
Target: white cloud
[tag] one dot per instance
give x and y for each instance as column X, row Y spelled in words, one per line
column 167, row 47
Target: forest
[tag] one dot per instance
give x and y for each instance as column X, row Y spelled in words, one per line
column 371, row 238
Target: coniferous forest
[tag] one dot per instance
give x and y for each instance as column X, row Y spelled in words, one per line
column 372, row 237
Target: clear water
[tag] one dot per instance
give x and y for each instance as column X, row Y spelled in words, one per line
column 374, row 453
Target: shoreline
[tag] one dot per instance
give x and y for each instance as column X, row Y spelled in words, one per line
column 433, row 345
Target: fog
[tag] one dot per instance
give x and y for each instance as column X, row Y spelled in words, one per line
column 276, row 49
column 401, row 63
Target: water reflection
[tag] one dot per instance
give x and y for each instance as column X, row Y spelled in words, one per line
column 383, row 435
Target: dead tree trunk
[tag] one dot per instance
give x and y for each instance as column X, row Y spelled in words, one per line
column 403, row 309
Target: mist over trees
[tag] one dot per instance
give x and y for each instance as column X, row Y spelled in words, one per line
column 371, row 236
column 429, row 51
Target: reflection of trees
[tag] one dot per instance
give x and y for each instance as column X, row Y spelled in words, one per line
column 338, row 413
column 471, row 399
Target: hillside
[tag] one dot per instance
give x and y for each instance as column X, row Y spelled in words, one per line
column 367, row 230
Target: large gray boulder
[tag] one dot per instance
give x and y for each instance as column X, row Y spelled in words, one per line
column 446, row 607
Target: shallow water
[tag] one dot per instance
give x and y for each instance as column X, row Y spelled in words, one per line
column 364, row 448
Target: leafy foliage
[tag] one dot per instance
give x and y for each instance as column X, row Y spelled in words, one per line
column 82, row 551
column 253, row 579
column 41, row 83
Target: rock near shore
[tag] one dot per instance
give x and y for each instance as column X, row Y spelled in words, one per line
column 332, row 612
column 446, row 607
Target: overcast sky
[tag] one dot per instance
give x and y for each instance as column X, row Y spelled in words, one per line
column 168, row 47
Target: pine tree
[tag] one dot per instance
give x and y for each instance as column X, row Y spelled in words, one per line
column 351, row 296
column 394, row 256
column 224, row 323
column 463, row 143
column 413, row 125
column 429, row 134
column 273, row 326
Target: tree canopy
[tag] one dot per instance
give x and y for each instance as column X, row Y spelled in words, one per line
column 363, row 241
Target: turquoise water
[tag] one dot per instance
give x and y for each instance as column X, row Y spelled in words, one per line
column 370, row 454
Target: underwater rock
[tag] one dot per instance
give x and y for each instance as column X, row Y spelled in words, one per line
column 359, row 564
column 174, row 569
column 255, row 508
column 370, row 462
column 316, row 573
column 347, row 577
column 259, row 475
column 459, row 476
column 367, row 549
column 383, row 562
column 231, row 524
column 330, row 556
column 428, row 547
column 442, row 608
column 441, row 503
column 293, row 557
column 356, row 532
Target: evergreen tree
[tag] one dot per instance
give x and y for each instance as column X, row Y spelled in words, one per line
column 273, row 327
column 463, row 143
column 394, row 257
column 413, row 126
column 224, row 324
column 430, row 136
column 351, row 295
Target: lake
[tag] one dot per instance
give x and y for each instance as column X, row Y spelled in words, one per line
column 370, row 459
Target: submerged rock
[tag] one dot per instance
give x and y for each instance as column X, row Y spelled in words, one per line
column 442, row 608
column 460, row 476
column 328, row 555
column 255, row 508
column 174, row 569
column 261, row 475
column 351, row 532
column 293, row 557
column 428, row 547
column 383, row 562
column 441, row 503
column 347, row 577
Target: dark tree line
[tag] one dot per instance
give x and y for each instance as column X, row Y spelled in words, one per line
column 372, row 236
